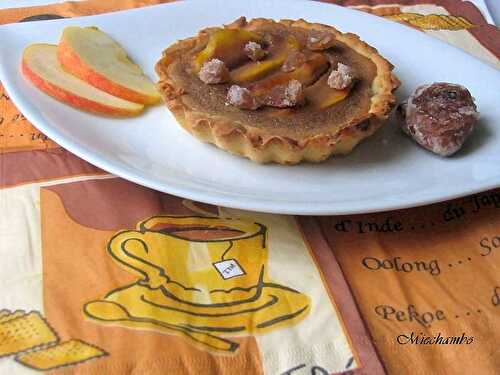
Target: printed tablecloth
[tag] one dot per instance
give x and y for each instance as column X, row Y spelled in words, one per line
column 102, row 276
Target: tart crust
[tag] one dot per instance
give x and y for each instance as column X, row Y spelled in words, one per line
column 260, row 144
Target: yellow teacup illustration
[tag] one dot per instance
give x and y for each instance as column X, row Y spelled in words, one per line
column 201, row 277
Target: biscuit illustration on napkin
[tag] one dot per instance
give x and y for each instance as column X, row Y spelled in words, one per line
column 27, row 331
column 204, row 278
column 36, row 344
column 68, row 353
column 6, row 315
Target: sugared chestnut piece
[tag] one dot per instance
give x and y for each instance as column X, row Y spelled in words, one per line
column 439, row 117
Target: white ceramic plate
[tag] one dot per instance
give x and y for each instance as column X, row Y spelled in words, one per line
column 385, row 172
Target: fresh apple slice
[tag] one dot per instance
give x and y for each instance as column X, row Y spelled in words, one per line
column 40, row 66
column 91, row 55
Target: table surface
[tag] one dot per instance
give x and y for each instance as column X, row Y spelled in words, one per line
column 491, row 6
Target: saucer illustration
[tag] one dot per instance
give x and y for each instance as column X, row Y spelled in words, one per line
column 203, row 278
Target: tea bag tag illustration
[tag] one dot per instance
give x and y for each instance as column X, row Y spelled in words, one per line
column 229, row 268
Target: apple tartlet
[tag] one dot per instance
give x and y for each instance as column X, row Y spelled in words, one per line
column 284, row 92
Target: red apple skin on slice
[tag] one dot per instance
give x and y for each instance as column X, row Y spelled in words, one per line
column 90, row 100
column 80, row 52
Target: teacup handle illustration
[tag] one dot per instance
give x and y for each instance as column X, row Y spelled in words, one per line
column 120, row 248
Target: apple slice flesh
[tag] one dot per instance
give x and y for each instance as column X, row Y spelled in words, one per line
column 93, row 56
column 305, row 74
column 258, row 69
column 322, row 96
column 41, row 67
